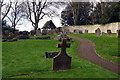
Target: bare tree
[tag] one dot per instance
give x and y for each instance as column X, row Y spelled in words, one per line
column 36, row 11
column 16, row 14
column 5, row 8
column 0, row 19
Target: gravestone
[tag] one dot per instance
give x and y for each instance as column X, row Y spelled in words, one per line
column 50, row 55
column 6, row 33
column 17, row 33
column 62, row 61
column 48, row 32
column 21, row 32
column 109, row 32
column 80, row 32
column 47, row 37
column 77, row 31
column 64, row 36
column 11, row 35
column 51, row 32
column 118, row 33
column 25, row 35
column 97, row 32
column 66, row 31
column 38, row 32
column 32, row 32
column 102, row 34
column 56, row 31
column 86, row 31
column 44, row 32
column 59, row 37
column 10, row 38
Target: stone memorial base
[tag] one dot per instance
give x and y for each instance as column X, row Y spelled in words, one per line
column 61, row 62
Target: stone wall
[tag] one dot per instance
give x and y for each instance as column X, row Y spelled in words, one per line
column 91, row 28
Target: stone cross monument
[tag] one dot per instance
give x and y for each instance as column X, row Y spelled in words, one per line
column 62, row 61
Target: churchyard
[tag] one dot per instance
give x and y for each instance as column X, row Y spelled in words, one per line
column 42, row 39
column 26, row 58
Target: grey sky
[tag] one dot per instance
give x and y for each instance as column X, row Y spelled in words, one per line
column 26, row 25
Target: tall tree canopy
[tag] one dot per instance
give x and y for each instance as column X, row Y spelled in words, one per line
column 76, row 13
column 83, row 13
column 107, row 13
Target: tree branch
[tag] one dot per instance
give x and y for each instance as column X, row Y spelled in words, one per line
column 7, row 11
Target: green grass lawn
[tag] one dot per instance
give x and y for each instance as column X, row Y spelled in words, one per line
column 106, row 46
column 51, row 36
column 27, row 56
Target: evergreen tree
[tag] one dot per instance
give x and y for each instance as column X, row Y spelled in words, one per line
column 76, row 13
column 110, row 13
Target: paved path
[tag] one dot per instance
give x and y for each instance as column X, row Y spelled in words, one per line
column 86, row 50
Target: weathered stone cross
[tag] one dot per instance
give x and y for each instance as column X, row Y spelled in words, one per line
column 62, row 61
column 63, row 45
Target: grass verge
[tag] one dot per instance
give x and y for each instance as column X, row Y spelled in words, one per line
column 27, row 56
column 106, row 46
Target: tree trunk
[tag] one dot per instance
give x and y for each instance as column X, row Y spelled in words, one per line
column 101, row 4
column 14, row 25
column 35, row 27
column 0, row 20
column 74, row 16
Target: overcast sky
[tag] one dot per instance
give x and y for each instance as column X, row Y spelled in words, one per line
column 26, row 25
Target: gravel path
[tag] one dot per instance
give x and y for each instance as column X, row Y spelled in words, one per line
column 86, row 50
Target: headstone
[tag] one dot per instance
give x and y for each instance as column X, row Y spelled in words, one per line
column 32, row 32
column 50, row 55
column 77, row 31
column 44, row 32
column 97, row 32
column 25, row 35
column 109, row 32
column 118, row 33
column 52, row 32
column 62, row 61
column 6, row 33
column 59, row 37
column 21, row 32
column 17, row 33
column 66, row 31
column 80, row 32
column 102, row 34
column 38, row 32
column 10, row 38
column 49, row 32
column 86, row 31
column 47, row 37
column 56, row 31
column 11, row 35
